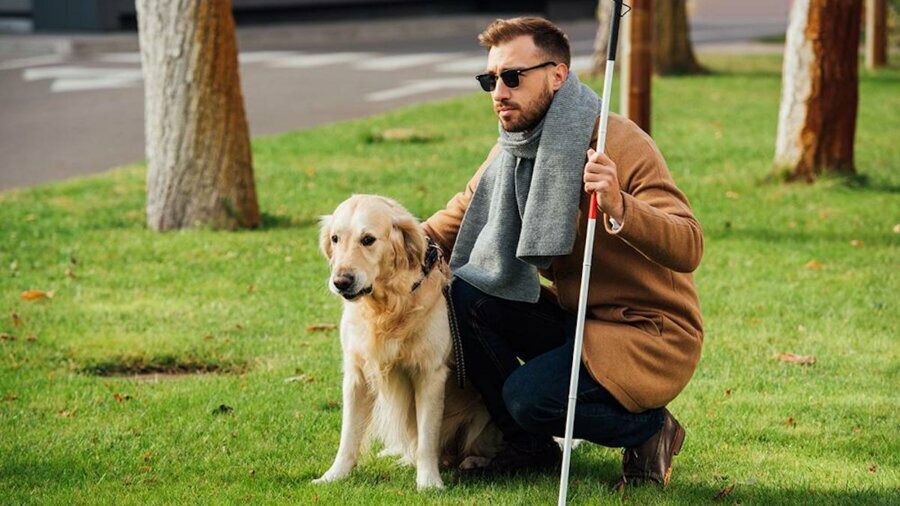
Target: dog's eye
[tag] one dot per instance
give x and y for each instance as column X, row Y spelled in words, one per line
column 334, row 238
column 367, row 240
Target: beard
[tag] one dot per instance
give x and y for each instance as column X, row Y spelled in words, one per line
column 528, row 119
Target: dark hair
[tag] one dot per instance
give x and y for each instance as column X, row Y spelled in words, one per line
column 546, row 36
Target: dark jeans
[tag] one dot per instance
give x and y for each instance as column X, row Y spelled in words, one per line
column 528, row 401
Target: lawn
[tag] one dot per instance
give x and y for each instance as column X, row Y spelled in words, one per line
column 805, row 269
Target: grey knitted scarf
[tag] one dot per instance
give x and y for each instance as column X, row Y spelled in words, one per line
column 525, row 208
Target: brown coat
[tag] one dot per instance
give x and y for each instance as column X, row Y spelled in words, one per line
column 644, row 330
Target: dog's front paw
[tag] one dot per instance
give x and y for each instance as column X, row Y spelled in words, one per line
column 426, row 481
column 332, row 475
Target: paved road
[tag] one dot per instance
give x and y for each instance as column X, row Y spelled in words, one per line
column 69, row 115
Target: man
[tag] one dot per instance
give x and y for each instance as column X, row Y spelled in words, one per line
column 524, row 214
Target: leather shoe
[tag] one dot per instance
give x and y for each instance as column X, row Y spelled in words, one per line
column 652, row 460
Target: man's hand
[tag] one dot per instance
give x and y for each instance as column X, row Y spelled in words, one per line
column 600, row 178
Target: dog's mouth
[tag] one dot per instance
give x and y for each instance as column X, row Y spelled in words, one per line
column 353, row 296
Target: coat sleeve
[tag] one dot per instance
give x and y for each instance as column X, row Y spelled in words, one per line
column 658, row 220
column 443, row 226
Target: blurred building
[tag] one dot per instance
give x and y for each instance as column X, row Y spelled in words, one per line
column 113, row 15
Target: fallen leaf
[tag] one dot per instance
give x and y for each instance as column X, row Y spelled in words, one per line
column 857, row 243
column 872, row 468
column 17, row 322
column 30, row 217
column 897, row 228
column 37, row 294
column 857, row 429
column 31, row 338
column 238, row 326
column 208, row 337
column 321, row 327
column 7, row 337
column 66, row 414
column 223, row 409
column 732, row 195
column 121, row 397
column 252, row 473
column 147, row 456
column 303, row 378
column 11, row 397
column 727, row 392
column 71, row 273
column 795, row 359
column 724, row 493
column 147, row 469
column 310, row 171
column 801, row 328
column 790, row 421
column 814, row 264
column 251, row 289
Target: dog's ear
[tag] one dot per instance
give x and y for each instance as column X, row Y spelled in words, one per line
column 409, row 245
column 325, row 235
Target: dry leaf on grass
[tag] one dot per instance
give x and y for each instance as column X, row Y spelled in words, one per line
column 790, row 421
column 303, row 378
column 121, row 397
column 814, row 264
column 17, row 321
column 732, row 195
column 7, row 337
column 795, row 359
column 37, row 294
column 724, row 493
column 10, row 397
column 857, row 243
column 319, row 327
column 873, row 468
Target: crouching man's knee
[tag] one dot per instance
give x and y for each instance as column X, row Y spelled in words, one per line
column 528, row 404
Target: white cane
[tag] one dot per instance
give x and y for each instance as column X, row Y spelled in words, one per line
column 588, row 252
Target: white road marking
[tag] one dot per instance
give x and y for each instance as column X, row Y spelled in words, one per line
column 304, row 61
column 417, row 86
column 70, row 78
column 33, row 61
column 470, row 65
column 404, row 61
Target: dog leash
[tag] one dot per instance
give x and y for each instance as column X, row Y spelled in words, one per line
column 433, row 255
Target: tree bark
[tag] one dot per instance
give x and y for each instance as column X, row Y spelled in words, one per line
column 601, row 40
column 819, row 98
column 200, row 171
column 637, row 63
column 876, row 33
column 673, row 52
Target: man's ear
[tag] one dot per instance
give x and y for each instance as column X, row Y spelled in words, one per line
column 408, row 241
column 325, row 235
column 559, row 75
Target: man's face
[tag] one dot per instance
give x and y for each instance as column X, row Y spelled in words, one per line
column 522, row 108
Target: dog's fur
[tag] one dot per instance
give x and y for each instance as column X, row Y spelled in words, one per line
column 397, row 349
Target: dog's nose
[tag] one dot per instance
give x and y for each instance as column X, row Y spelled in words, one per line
column 343, row 281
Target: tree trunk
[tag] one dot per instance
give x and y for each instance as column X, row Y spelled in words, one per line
column 673, row 52
column 197, row 142
column 637, row 63
column 819, row 97
column 876, row 33
column 601, row 40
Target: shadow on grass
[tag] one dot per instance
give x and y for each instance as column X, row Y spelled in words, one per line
column 278, row 221
column 170, row 365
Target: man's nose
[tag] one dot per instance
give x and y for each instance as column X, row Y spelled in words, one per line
column 501, row 91
column 343, row 280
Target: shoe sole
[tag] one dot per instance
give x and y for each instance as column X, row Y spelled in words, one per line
column 676, row 449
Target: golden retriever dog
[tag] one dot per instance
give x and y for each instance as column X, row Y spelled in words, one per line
column 397, row 346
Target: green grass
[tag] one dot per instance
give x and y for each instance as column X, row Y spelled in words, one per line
column 242, row 302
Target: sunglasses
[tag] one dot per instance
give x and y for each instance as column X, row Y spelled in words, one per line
column 510, row 77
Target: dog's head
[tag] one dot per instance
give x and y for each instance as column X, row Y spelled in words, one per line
column 367, row 239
